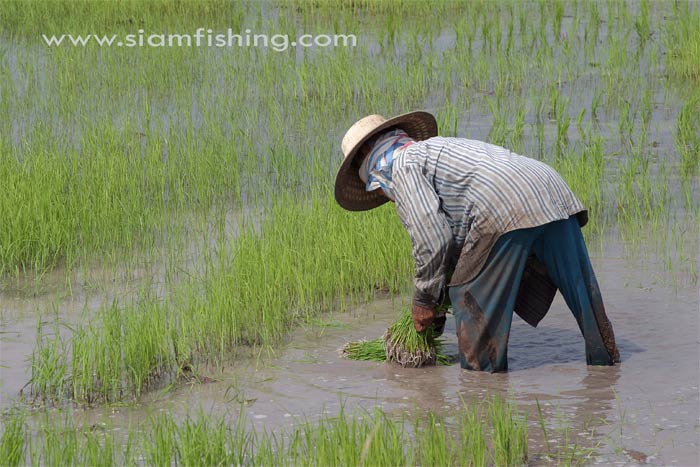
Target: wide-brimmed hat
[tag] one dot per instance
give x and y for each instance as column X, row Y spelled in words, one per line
column 350, row 190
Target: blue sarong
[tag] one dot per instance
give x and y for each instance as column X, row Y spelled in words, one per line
column 483, row 307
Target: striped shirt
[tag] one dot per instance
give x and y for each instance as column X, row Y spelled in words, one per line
column 456, row 196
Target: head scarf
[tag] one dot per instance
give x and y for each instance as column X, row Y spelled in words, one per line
column 376, row 168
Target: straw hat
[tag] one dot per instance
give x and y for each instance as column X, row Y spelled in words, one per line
column 349, row 189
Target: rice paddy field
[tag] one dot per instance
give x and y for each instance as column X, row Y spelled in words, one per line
column 176, row 278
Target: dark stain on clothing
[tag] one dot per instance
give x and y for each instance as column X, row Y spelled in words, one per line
column 604, row 325
column 479, row 341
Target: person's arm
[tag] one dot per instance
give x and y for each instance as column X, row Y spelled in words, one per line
column 419, row 208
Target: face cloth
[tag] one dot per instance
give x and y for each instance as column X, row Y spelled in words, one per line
column 376, row 168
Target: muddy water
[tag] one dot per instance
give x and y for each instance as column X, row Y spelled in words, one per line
column 644, row 410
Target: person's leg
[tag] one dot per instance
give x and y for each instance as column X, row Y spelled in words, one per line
column 563, row 251
column 483, row 307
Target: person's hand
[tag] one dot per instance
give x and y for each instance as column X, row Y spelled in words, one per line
column 422, row 316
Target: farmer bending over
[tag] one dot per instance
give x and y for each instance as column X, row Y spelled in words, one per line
column 500, row 231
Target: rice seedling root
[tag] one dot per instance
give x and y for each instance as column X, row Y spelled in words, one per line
column 396, row 351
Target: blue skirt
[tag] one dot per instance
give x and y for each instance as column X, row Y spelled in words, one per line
column 483, row 307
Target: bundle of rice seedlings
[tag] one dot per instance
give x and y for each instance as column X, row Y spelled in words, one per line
column 409, row 348
column 402, row 344
column 365, row 350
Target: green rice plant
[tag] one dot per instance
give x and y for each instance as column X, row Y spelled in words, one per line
column 366, row 438
column 203, row 442
column 373, row 439
column 682, row 41
column 509, row 435
column 583, row 168
column 591, row 31
column 687, row 138
column 100, row 448
column 160, row 448
column 542, row 423
column 60, row 442
column 434, row 443
column 36, row 238
column 518, row 129
column 13, row 439
column 123, row 354
column 94, row 204
column 498, row 131
column 642, row 24
column 626, row 120
column 91, row 16
column 559, row 111
column 97, row 359
column 50, row 374
column 474, row 450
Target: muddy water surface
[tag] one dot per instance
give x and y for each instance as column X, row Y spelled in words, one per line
column 645, row 410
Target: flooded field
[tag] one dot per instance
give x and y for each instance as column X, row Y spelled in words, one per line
column 643, row 411
column 170, row 249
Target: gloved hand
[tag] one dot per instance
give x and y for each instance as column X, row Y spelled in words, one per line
column 422, row 316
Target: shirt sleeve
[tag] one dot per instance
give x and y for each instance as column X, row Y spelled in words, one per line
column 418, row 206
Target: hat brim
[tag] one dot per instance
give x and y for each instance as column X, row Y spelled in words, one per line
column 350, row 190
